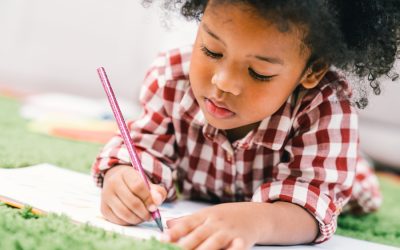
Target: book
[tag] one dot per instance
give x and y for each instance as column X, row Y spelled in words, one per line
column 52, row 189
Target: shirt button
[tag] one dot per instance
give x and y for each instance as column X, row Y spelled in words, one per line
column 229, row 157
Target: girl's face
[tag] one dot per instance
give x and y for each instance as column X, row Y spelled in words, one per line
column 242, row 67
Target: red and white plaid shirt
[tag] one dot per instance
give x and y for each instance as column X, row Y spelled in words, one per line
column 306, row 153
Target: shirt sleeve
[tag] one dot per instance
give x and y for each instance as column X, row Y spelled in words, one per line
column 317, row 168
column 152, row 135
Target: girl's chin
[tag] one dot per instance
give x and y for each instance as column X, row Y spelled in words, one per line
column 222, row 124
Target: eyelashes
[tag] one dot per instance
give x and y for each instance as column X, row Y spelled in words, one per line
column 209, row 53
column 251, row 72
column 257, row 76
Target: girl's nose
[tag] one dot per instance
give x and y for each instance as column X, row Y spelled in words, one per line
column 226, row 82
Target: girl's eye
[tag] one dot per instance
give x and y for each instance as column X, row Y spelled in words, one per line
column 259, row 77
column 211, row 54
column 252, row 73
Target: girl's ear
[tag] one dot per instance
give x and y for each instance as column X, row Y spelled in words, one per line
column 314, row 74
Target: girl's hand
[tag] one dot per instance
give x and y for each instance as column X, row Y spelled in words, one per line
column 125, row 198
column 225, row 226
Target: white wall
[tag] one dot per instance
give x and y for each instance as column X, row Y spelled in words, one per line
column 57, row 45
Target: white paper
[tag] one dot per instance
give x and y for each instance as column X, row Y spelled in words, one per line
column 62, row 191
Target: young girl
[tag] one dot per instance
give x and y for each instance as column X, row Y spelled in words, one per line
column 256, row 116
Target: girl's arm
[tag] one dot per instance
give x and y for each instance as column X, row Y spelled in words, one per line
column 243, row 224
column 289, row 224
column 318, row 171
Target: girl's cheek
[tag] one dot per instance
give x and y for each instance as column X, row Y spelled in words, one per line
column 201, row 72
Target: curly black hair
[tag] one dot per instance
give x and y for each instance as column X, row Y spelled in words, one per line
column 360, row 37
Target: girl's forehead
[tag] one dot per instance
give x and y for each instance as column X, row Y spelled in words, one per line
column 248, row 14
column 238, row 23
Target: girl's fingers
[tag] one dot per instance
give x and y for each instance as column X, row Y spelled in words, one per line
column 138, row 187
column 156, row 197
column 122, row 212
column 237, row 244
column 158, row 193
column 180, row 227
column 132, row 202
column 110, row 216
column 151, row 198
column 195, row 238
column 218, row 240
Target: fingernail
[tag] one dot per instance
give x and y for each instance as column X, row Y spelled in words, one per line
column 165, row 237
column 156, row 196
column 152, row 208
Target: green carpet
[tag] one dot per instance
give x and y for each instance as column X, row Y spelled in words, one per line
column 21, row 230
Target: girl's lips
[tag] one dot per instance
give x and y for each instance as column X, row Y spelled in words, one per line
column 217, row 111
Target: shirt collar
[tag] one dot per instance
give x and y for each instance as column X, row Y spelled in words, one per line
column 273, row 130
column 189, row 109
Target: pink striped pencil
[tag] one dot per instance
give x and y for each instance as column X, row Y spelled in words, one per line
column 125, row 135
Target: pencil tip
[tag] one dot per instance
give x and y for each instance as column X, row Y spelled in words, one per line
column 159, row 224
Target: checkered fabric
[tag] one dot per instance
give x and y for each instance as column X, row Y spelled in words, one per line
column 306, row 153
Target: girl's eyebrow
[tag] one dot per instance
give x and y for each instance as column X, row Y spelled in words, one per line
column 273, row 60
column 205, row 27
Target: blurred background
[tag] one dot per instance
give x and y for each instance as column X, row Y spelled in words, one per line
column 57, row 45
column 54, row 46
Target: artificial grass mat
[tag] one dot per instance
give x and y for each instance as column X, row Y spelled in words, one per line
column 21, row 229
column 20, row 147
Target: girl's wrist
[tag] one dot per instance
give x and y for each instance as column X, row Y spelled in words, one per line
column 286, row 223
column 263, row 222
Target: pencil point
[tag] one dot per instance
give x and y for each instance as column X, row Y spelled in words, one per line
column 159, row 224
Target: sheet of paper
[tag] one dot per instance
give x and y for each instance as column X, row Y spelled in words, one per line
column 62, row 191
column 53, row 189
